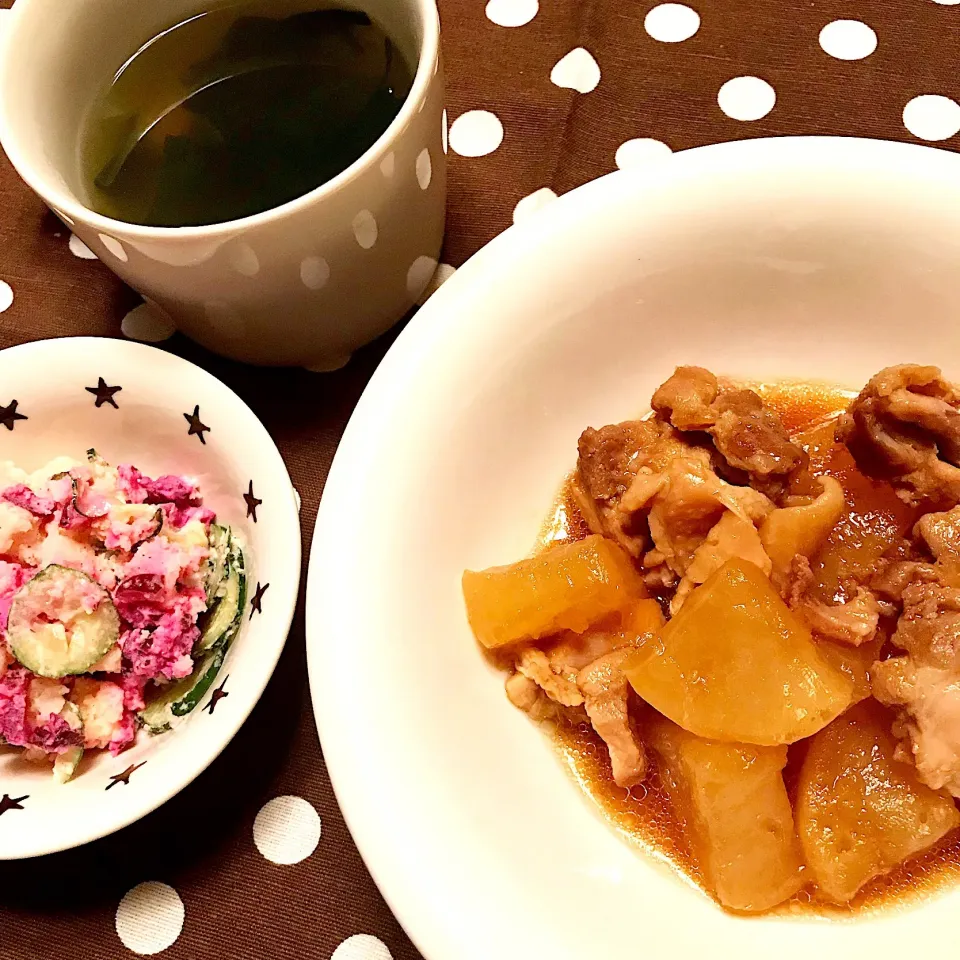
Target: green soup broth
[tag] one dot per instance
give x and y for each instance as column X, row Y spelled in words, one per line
column 237, row 111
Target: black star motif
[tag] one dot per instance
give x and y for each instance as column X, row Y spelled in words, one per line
column 11, row 803
column 217, row 696
column 103, row 393
column 196, row 424
column 257, row 598
column 124, row 777
column 252, row 503
column 9, row 415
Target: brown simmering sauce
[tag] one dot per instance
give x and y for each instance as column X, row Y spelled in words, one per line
column 644, row 815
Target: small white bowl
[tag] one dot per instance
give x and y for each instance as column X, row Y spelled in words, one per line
column 49, row 380
column 806, row 258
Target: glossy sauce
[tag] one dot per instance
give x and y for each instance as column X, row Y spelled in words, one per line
column 644, row 815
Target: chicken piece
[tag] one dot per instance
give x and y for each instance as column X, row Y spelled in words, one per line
column 535, row 666
column 941, row 533
column 571, row 652
column 685, row 398
column 929, row 728
column 798, row 582
column 929, row 627
column 608, row 456
column 751, row 437
column 524, row 694
column 853, row 622
column 691, row 503
column 925, row 683
column 645, row 486
column 554, row 668
column 891, row 580
column 904, row 426
column 731, row 536
column 606, row 699
column 608, row 462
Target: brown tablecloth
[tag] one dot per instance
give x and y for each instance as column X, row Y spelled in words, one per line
column 237, row 903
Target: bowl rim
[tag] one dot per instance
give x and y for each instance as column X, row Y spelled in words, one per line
column 345, row 748
column 152, row 362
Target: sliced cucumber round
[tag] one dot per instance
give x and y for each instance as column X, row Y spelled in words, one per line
column 180, row 698
column 219, row 628
column 50, row 632
column 66, row 763
column 221, row 622
column 216, row 568
column 65, row 766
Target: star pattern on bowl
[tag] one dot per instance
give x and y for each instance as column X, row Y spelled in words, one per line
column 217, row 695
column 252, row 503
column 197, row 426
column 12, row 803
column 9, row 415
column 257, row 599
column 104, row 393
column 124, row 777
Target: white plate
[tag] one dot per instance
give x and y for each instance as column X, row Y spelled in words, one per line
column 48, row 379
column 811, row 258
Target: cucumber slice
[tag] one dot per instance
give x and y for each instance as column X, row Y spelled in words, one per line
column 219, row 538
column 178, row 699
column 221, row 626
column 48, row 630
column 221, row 623
column 65, row 766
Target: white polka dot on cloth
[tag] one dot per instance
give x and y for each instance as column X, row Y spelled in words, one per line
column 314, row 271
column 476, row 133
column 79, row 249
column 419, row 274
column 147, row 323
column 578, row 70
column 6, row 296
column 244, row 260
column 440, row 276
column 388, row 164
column 362, row 946
column 671, row 22
column 114, row 246
column 640, row 152
column 533, row 202
column 365, row 229
column 149, row 918
column 512, row 13
column 424, row 168
column 848, row 39
column 286, row 830
column 746, row 98
column 443, row 131
column 947, row 3
column 932, row 117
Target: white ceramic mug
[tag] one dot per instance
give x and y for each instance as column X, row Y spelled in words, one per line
column 303, row 284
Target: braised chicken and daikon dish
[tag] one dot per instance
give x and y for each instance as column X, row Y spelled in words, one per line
column 743, row 627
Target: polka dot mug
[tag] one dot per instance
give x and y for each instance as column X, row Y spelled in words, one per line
column 305, row 283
